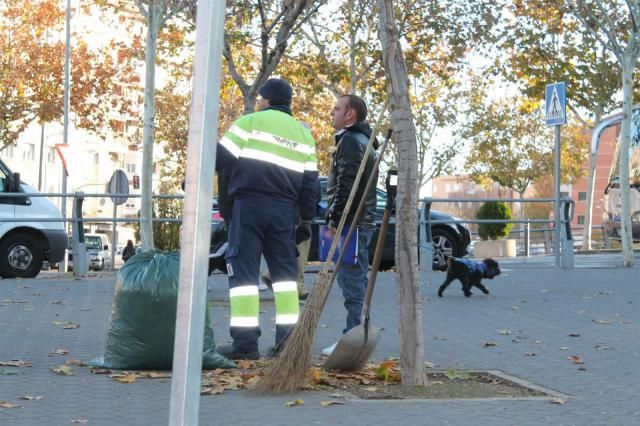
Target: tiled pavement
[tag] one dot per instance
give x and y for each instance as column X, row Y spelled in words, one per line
column 540, row 305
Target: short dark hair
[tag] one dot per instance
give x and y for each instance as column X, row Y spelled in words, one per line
column 357, row 104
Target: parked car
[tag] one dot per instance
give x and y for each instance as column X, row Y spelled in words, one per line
column 25, row 246
column 449, row 239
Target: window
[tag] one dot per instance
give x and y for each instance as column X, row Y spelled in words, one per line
column 117, row 159
column 131, row 168
column 564, row 194
column 8, row 151
column 96, row 159
column 447, row 188
column 29, row 153
column 3, row 182
column 580, row 220
column 51, row 155
column 582, row 196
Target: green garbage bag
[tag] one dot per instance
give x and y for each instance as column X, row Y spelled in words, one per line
column 143, row 318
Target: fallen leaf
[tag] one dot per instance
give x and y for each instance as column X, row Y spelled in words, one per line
column 245, row 364
column 544, row 291
column 538, row 342
column 63, row 370
column 70, row 325
column 57, row 302
column 125, row 378
column 211, row 390
column 75, row 362
column 530, row 354
column 504, row 332
column 85, row 310
column 79, row 421
column 56, row 322
column 599, row 321
column 323, row 325
column 601, row 346
column 15, row 363
column 158, row 375
column 564, row 348
column 436, row 382
column 7, row 372
column 370, row 389
column 440, row 338
column 515, row 340
column 582, row 369
column 5, row 404
column 30, row 398
column 330, row 403
column 576, row 359
column 523, row 301
column 580, row 312
column 574, row 335
column 294, row 403
column 515, row 308
column 428, row 364
column 558, row 401
column 605, row 293
column 35, row 293
column 490, row 343
column 60, row 351
column 100, row 371
column 13, row 301
column 336, row 395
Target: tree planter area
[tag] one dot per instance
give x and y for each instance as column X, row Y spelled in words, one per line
column 495, row 248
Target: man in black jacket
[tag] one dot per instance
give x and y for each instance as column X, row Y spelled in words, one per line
column 353, row 133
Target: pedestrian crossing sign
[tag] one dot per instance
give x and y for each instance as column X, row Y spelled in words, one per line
column 556, row 104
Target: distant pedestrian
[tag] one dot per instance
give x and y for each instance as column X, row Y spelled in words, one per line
column 129, row 251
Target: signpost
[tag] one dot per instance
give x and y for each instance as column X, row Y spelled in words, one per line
column 196, row 229
column 118, row 187
column 556, row 115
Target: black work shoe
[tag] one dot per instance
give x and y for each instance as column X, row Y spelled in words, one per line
column 230, row 352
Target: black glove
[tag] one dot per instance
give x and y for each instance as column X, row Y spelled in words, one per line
column 303, row 232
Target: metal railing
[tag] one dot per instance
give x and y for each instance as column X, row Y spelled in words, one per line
column 563, row 249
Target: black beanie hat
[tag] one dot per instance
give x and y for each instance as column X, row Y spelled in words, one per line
column 277, row 91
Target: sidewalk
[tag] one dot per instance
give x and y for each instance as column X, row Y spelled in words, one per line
column 540, row 305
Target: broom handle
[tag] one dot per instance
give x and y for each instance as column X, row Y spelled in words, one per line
column 354, row 224
column 382, row 235
column 352, row 194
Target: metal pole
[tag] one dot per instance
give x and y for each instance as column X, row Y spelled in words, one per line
column 556, row 229
column 527, row 239
column 65, row 131
column 114, row 237
column 201, row 153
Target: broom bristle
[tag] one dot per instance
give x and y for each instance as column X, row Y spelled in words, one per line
column 288, row 373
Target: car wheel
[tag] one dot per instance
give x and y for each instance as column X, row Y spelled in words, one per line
column 444, row 246
column 20, row 256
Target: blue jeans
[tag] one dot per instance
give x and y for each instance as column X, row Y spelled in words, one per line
column 352, row 279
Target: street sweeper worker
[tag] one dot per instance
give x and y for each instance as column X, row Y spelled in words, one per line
column 271, row 162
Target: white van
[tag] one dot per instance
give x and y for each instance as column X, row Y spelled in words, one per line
column 25, row 245
column 98, row 251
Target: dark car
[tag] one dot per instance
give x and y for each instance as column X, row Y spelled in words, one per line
column 449, row 239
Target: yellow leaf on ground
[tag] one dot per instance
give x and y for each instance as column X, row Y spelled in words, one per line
column 5, row 404
column 294, row 403
column 63, row 370
column 576, row 359
column 125, row 378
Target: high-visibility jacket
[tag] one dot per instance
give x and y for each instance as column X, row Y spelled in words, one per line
column 272, row 156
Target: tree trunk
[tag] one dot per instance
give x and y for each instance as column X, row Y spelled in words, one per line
column 410, row 300
column 146, row 183
column 593, row 150
column 628, row 65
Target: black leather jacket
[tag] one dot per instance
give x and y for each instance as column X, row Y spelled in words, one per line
column 351, row 144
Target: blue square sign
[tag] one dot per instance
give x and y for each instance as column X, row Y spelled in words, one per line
column 556, row 104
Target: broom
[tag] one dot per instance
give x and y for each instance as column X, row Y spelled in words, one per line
column 288, row 372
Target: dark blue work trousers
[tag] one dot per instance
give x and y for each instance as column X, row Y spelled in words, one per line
column 259, row 226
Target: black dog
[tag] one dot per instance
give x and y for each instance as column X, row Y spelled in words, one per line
column 470, row 273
